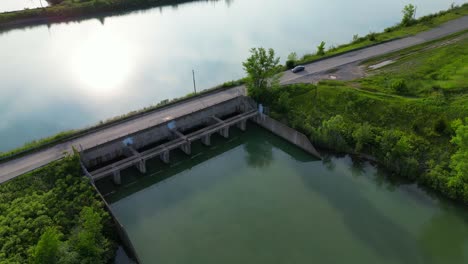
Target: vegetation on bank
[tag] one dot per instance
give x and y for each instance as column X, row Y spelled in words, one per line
column 37, row 143
column 53, row 215
column 407, row 26
column 411, row 116
column 65, row 10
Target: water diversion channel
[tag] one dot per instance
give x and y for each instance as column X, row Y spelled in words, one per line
column 254, row 198
column 71, row 75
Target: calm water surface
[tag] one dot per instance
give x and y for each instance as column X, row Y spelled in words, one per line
column 72, row 75
column 258, row 199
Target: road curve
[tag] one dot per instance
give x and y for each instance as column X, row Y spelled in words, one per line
column 443, row 30
column 16, row 167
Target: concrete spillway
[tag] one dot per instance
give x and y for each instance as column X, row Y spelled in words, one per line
column 135, row 149
column 111, row 158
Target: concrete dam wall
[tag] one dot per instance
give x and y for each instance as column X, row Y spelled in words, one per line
column 112, row 150
column 110, row 158
column 287, row 133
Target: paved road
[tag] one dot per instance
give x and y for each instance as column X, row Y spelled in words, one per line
column 446, row 29
column 13, row 168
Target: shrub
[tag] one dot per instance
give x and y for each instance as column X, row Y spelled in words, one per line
column 399, row 86
column 290, row 64
column 355, row 38
column 372, row 36
column 284, row 102
column 408, row 15
column 321, row 49
column 440, row 127
column 364, row 137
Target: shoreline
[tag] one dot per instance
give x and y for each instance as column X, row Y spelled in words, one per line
column 54, row 14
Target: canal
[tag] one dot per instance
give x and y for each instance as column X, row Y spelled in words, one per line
column 70, row 75
column 257, row 199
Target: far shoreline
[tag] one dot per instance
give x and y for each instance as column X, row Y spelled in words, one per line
column 56, row 14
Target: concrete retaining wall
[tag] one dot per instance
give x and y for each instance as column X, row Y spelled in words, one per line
column 126, row 242
column 287, row 133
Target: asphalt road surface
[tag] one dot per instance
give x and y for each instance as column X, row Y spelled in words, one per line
column 446, row 29
column 16, row 167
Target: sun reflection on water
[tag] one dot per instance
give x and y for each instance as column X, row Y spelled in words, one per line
column 103, row 63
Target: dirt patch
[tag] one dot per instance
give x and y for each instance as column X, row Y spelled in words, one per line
column 381, row 64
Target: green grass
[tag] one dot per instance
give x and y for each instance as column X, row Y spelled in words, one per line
column 435, row 68
column 397, row 31
column 408, row 132
column 38, row 143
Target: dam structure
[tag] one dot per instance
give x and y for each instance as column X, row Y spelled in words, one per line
column 109, row 159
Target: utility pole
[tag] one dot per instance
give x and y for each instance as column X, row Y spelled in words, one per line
column 194, row 86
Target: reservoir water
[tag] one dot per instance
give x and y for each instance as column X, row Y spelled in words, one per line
column 70, row 75
column 257, row 199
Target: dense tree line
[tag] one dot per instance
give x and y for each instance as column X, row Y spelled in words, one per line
column 53, row 215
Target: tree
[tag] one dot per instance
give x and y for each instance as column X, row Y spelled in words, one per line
column 333, row 133
column 408, row 15
column 261, row 68
column 292, row 56
column 291, row 62
column 460, row 158
column 89, row 241
column 46, row 250
column 321, row 49
column 284, row 102
column 364, row 137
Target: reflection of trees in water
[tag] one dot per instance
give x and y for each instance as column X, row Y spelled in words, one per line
column 328, row 162
column 444, row 238
column 363, row 218
column 259, row 153
column 229, row 2
column 357, row 167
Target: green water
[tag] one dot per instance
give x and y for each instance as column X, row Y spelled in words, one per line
column 258, row 199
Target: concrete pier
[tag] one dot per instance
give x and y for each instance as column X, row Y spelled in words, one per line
column 206, row 140
column 116, row 177
column 165, row 156
column 141, row 166
column 224, row 132
column 242, row 125
column 186, row 148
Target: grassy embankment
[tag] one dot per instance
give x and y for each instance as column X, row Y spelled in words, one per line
column 419, row 25
column 408, row 115
column 53, row 215
column 398, row 31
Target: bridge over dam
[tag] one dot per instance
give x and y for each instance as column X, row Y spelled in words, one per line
column 109, row 159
